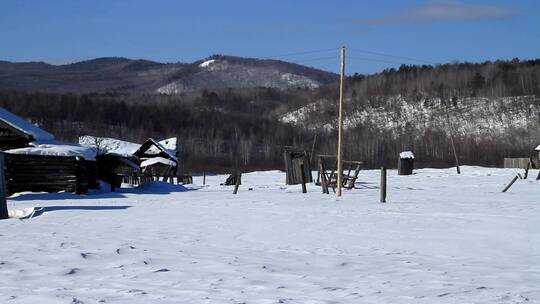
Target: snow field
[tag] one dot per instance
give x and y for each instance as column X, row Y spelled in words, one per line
column 440, row 238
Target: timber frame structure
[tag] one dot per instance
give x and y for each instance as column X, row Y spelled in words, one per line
column 327, row 172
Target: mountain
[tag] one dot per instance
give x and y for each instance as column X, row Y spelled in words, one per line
column 127, row 75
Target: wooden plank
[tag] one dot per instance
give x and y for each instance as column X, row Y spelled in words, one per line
column 3, row 204
column 383, row 184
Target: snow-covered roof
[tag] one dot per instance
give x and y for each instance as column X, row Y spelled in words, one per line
column 168, row 144
column 156, row 160
column 152, row 147
column 57, row 149
column 106, row 145
column 538, row 148
column 406, row 154
column 24, row 126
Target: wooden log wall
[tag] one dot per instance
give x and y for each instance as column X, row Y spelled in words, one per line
column 295, row 162
column 39, row 173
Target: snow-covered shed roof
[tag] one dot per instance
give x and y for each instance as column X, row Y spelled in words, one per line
column 57, row 149
column 169, row 144
column 152, row 147
column 157, row 160
column 406, row 154
column 107, row 145
column 24, row 126
column 538, row 148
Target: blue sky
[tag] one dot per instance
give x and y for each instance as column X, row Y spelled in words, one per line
column 435, row 31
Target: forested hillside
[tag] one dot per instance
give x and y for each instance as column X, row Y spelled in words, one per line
column 491, row 109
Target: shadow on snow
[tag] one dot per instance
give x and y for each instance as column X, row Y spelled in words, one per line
column 149, row 188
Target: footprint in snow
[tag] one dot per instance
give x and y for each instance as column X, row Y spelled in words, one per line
column 72, row 271
column 162, row 270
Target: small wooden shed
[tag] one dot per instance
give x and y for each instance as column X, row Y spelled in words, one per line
column 406, row 163
column 295, row 160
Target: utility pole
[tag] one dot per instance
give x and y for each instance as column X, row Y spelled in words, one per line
column 340, row 124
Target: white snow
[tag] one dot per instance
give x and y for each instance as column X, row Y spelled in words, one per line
column 167, row 145
column 538, row 148
column 156, row 160
column 158, row 147
column 24, row 126
column 406, row 154
column 107, row 145
column 440, row 238
column 57, row 149
column 207, row 63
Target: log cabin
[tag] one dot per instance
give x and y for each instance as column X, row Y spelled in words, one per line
column 35, row 161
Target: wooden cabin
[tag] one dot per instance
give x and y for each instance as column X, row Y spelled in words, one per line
column 15, row 132
column 35, row 161
column 132, row 163
column 158, row 158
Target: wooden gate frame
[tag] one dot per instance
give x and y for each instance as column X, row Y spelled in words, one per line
column 328, row 178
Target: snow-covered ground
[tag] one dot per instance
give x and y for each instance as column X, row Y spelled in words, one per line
column 441, row 238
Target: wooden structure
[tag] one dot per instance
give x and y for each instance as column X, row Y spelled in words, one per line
column 116, row 169
column 233, row 179
column 35, row 161
column 3, row 204
column 16, row 132
column 295, row 161
column 406, row 163
column 157, row 160
column 327, row 173
column 39, row 173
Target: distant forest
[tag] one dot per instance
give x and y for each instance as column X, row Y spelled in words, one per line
column 241, row 127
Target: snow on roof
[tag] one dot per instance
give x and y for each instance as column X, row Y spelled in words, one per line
column 24, row 126
column 156, row 160
column 57, row 149
column 538, row 148
column 168, row 144
column 153, row 147
column 406, row 154
column 207, row 63
column 107, row 145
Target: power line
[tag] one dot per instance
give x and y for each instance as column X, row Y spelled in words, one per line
column 301, row 53
column 317, row 59
column 374, row 60
column 389, row 55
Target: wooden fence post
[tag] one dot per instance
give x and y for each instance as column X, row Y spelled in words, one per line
column 527, row 170
column 324, row 183
column 204, row 178
column 237, row 182
column 3, row 204
column 511, row 183
column 383, row 184
column 303, row 176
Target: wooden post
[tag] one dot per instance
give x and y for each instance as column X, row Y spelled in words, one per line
column 511, row 183
column 383, row 184
column 452, row 142
column 324, row 183
column 313, row 148
column 538, row 177
column 527, row 170
column 3, row 204
column 204, row 178
column 237, row 182
column 303, row 175
column 340, row 123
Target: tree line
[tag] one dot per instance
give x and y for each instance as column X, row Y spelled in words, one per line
column 218, row 130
